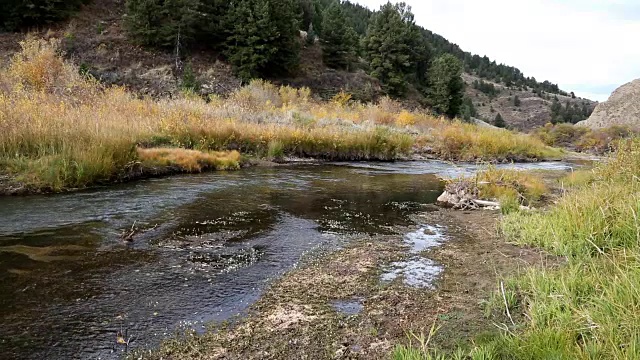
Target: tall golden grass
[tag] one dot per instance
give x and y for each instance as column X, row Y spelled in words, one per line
column 59, row 129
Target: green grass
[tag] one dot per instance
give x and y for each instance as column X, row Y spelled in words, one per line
column 588, row 308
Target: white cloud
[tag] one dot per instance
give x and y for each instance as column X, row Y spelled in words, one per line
column 580, row 44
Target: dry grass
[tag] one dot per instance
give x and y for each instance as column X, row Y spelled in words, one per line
column 598, row 141
column 59, row 129
column 498, row 183
column 467, row 142
column 190, row 160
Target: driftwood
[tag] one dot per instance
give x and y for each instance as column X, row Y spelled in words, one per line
column 127, row 235
column 464, row 195
column 486, row 203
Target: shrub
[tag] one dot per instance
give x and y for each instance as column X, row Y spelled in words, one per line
column 582, row 138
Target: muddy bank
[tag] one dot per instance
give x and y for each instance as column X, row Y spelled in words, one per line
column 345, row 306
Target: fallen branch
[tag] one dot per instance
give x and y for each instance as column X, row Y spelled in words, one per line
column 486, row 203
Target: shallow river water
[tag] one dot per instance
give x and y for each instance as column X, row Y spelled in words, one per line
column 203, row 249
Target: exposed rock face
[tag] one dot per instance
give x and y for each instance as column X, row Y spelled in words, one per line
column 622, row 108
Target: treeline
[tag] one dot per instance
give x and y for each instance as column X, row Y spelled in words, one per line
column 488, row 69
column 570, row 112
column 262, row 38
column 20, row 14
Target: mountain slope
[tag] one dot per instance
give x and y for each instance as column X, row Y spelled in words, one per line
column 521, row 108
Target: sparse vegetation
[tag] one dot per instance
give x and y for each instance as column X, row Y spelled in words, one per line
column 486, row 88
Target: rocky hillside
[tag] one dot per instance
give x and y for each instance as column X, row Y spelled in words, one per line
column 520, row 108
column 622, row 108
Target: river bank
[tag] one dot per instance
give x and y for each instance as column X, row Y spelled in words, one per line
column 60, row 129
column 426, row 289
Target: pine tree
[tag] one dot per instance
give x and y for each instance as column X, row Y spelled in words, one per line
column 468, row 110
column 16, row 14
column 387, row 47
column 421, row 55
column 338, row 38
column 287, row 23
column 311, row 36
column 250, row 45
column 263, row 38
column 499, row 121
column 162, row 22
column 212, row 27
column 446, row 87
column 516, row 101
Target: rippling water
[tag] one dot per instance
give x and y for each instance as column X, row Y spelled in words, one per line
column 204, row 248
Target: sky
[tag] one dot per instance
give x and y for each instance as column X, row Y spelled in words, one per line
column 587, row 46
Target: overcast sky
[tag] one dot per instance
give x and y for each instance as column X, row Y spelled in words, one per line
column 587, row 46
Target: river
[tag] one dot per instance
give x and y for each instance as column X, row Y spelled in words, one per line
column 204, row 248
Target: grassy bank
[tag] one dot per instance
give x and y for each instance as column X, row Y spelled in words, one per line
column 588, row 308
column 61, row 129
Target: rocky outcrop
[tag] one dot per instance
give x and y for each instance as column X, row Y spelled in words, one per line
column 622, row 108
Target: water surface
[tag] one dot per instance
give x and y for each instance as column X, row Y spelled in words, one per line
column 205, row 246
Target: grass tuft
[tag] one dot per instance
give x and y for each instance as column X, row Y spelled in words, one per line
column 189, row 160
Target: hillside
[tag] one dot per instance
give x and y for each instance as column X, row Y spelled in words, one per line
column 534, row 109
column 622, row 108
column 96, row 39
